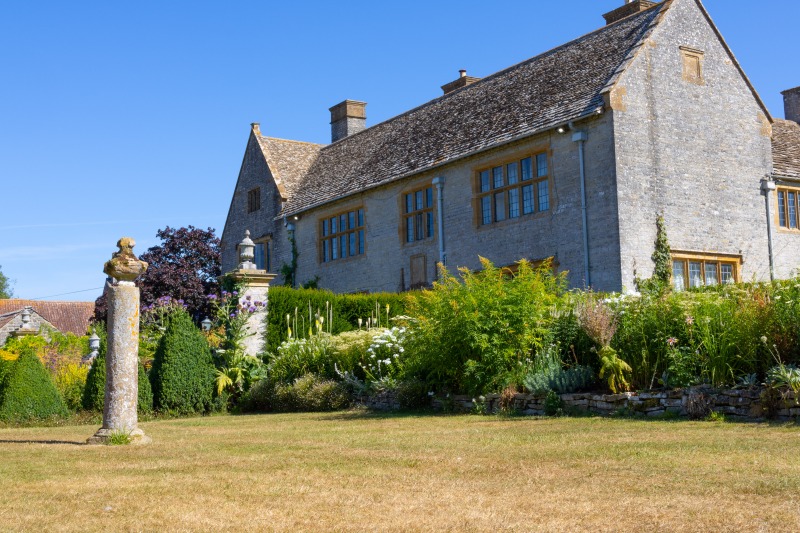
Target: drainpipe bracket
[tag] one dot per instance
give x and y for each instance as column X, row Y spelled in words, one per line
column 580, row 136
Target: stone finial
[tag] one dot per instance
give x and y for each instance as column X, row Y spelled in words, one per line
column 123, row 265
column 247, row 252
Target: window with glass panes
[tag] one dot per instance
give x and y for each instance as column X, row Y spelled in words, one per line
column 689, row 271
column 418, row 214
column 789, row 208
column 342, row 235
column 513, row 189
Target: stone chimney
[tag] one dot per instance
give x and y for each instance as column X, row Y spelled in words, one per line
column 462, row 81
column 347, row 118
column 791, row 104
column 631, row 7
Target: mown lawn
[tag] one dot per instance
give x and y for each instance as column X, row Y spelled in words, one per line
column 360, row 472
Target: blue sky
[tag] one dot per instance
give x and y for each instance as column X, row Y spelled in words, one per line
column 122, row 118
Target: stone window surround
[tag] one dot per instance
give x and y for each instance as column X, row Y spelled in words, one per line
column 254, row 200
column 329, row 236
column 704, row 258
column 787, row 188
column 692, row 60
column 503, row 161
column 404, row 216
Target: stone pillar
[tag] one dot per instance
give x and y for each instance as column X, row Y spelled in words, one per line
column 255, row 288
column 122, row 354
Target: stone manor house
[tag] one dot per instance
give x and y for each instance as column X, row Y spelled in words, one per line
column 570, row 155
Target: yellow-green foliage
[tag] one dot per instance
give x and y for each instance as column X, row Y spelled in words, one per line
column 27, row 392
column 469, row 334
column 70, row 380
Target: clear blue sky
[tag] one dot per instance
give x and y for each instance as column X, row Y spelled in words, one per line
column 120, row 118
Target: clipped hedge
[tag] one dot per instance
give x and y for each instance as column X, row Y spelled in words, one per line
column 182, row 376
column 347, row 309
column 28, row 392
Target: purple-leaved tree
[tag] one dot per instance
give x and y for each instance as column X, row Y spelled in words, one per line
column 185, row 266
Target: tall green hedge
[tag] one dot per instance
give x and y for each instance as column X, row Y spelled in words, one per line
column 347, row 309
column 28, row 392
column 183, row 371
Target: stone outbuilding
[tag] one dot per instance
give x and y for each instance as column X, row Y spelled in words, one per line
column 570, row 155
column 37, row 317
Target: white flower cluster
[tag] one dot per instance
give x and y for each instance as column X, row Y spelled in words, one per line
column 383, row 355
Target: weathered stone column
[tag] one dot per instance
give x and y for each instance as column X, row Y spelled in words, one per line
column 122, row 354
column 255, row 288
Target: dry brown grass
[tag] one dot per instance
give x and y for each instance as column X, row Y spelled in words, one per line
column 355, row 472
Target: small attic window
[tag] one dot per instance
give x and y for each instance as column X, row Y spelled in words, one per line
column 254, row 199
column 692, row 65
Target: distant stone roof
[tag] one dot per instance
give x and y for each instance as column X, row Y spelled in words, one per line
column 72, row 317
column 543, row 92
column 786, row 148
column 288, row 160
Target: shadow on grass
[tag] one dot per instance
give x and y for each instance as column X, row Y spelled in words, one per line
column 28, row 441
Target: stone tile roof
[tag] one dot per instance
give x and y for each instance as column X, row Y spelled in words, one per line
column 550, row 89
column 72, row 317
column 288, row 160
column 786, row 148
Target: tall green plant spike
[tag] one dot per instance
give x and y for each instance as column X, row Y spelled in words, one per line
column 662, row 255
column 28, row 392
column 183, row 372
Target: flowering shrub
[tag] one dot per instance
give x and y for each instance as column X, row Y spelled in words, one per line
column 384, row 361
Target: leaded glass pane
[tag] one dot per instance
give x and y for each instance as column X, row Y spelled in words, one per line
column 361, row 242
column 695, row 274
column 410, row 229
column 711, row 274
column 351, row 220
column 334, row 225
column 343, row 243
column 428, row 197
column 782, row 208
column 793, row 210
column 541, row 165
column 511, row 173
column 360, row 217
column 486, row 210
column 335, row 248
column 500, row 206
column 420, row 233
column 527, row 170
column 527, row 199
column 497, row 177
column 325, row 257
column 342, row 222
column 544, row 195
column 420, row 200
column 352, row 239
column 485, row 182
column 429, row 224
column 513, row 203
column 727, row 273
column 325, row 227
column 409, row 203
column 677, row 276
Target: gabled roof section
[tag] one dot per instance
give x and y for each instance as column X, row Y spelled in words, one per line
column 786, row 149
column 72, row 317
column 287, row 160
column 550, row 89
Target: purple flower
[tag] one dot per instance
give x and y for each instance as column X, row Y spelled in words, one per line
column 233, row 315
column 235, row 293
column 248, row 297
column 180, row 302
column 224, row 293
column 252, row 309
column 672, row 341
column 212, row 296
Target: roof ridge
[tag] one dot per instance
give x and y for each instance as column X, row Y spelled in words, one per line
column 291, row 141
column 498, row 73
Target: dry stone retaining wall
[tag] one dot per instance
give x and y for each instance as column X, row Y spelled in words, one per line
column 742, row 404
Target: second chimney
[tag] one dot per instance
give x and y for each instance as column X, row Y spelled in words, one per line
column 462, row 81
column 631, row 7
column 791, row 104
column 347, row 118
